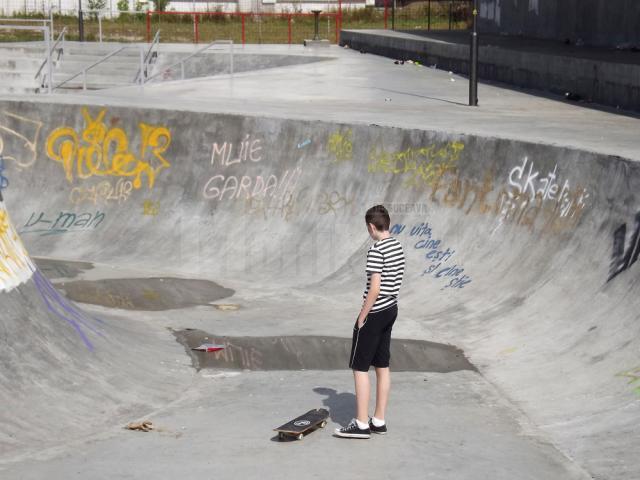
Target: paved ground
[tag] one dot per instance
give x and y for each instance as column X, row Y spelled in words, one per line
column 247, row 222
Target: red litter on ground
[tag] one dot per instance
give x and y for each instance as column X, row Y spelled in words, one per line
column 209, row 347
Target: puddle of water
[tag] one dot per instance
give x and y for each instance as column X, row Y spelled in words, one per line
column 314, row 353
column 54, row 269
column 152, row 294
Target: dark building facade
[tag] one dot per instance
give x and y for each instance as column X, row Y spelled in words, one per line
column 592, row 22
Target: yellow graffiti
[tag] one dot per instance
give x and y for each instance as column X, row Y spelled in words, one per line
column 101, row 151
column 341, row 145
column 103, row 192
column 15, row 265
column 25, row 131
column 150, row 208
column 633, row 375
column 421, row 165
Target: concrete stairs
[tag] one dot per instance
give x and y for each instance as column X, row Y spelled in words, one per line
column 18, row 67
column 117, row 71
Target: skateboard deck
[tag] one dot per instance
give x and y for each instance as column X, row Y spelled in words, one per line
column 300, row 425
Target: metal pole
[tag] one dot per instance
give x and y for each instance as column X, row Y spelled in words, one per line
column 80, row 22
column 100, row 27
column 316, row 26
column 49, row 66
column 429, row 15
column 473, row 61
column 450, row 13
column 142, row 72
column 393, row 15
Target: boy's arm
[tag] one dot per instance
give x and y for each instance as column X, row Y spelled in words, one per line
column 374, row 290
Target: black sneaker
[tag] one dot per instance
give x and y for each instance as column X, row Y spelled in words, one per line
column 353, row 431
column 379, row 430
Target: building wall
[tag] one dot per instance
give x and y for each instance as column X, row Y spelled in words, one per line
column 594, row 22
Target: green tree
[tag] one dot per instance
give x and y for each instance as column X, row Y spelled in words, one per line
column 123, row 5
column 161, row 5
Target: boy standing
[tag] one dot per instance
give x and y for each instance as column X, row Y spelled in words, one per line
column 372, row 332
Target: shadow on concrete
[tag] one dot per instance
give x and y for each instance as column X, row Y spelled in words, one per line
column 341, row 406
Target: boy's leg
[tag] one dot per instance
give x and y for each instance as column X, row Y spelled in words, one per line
column 363, row 390
column 383, row 386
column 381, row 364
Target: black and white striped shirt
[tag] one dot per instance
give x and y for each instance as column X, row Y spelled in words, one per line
column 385, row 257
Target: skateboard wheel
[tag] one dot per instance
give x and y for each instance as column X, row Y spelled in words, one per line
column 300, row 436
column 323, row 424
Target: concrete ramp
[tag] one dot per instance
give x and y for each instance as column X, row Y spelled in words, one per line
column 522, row 254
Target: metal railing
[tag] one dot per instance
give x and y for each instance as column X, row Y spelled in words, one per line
column 47, row 41
column 49, row 57
column 142, row 73
column 184, row 60
column 84, row 71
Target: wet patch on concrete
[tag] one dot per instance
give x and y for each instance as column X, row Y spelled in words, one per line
column 153, row 294
column 314, row 353
column 55, row 269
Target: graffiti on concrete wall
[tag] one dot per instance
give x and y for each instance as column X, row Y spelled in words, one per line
column 104, row 192
column 15, row 265
column 529, row 197
column 340, row 144
column 224, row 186
column 64, row 222
column 67, row 311
column 437, row 255
column 634, row 378
column 102, row 151
column 22, row 134
column 623, row 255
column 527, row 182
column 150, row 208
column 4, row 181
column 418, row 166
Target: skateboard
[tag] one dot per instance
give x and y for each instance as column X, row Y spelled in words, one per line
column 299, row 426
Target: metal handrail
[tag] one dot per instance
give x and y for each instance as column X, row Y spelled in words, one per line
column 86, row 69
column 181, row 62
column 146, row 60
column 44, row 62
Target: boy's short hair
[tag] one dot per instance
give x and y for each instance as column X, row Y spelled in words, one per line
column 379, row 216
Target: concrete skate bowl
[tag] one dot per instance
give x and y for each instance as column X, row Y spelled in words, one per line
column 208, row 63
column 521, row 254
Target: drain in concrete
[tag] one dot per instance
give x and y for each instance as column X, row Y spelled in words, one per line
column 314, row 353
column 161, row 293
column 55, row 269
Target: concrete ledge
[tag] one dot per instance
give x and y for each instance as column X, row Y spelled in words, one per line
column 593, row 77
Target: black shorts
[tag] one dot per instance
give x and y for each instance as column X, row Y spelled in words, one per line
column 371, row 343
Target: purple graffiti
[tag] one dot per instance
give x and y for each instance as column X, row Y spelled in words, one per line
column 64, row 309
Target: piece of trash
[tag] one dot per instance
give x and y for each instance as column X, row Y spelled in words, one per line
column 305, row 143
column 346, row 46
column 145, row 426
column 452, row 79
column 450, row 72
column 226, row 307
column 387, row 99
column 574, row 97
column 399, row 62
column 209, row 347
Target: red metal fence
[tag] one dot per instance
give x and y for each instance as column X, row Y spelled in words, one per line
column 242, row 27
